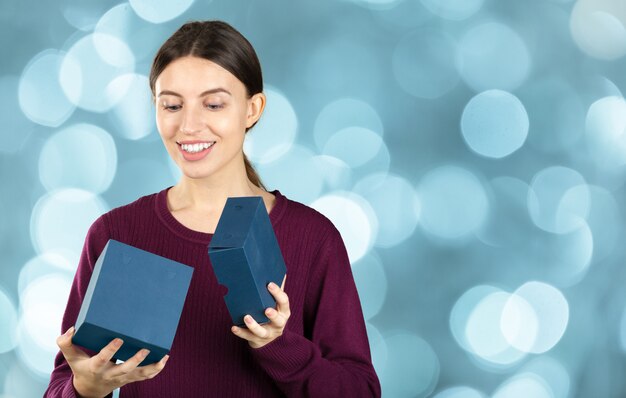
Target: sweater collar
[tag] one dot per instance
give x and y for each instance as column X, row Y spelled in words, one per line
column 164, row 214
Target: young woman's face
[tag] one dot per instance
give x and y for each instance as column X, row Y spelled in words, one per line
column 202, row 112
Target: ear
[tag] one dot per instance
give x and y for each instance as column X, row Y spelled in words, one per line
column 256, row 105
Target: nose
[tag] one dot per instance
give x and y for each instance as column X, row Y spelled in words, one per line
column 192, row 121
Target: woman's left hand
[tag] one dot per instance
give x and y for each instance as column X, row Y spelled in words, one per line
column 260, row 335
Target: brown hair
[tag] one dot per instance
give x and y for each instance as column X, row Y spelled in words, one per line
column 217, row 42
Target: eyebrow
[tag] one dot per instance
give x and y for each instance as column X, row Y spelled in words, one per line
column 202, row 94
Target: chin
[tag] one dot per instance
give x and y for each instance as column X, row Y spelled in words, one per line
column 195, row 174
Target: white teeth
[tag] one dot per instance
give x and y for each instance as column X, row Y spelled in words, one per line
column 195, row 148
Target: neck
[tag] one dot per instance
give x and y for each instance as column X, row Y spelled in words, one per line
column 210, row 193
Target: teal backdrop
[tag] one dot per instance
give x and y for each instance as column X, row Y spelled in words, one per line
column 472, row 154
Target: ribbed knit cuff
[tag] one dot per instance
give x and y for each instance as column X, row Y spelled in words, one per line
column 287, row 356
column 68, row 389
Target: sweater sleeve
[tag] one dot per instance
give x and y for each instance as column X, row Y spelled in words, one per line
column 62, row 379
column 336, row 361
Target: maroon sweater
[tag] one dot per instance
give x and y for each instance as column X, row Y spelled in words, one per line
column 323, row 351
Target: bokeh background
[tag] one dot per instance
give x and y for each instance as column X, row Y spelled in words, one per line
column 471, row 152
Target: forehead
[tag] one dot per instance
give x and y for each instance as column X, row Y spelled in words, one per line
column 189, row 75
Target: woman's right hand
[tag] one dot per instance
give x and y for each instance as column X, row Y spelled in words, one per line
column 97, row 376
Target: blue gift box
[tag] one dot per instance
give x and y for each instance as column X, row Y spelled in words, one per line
column 134, row 295
column 246, row 257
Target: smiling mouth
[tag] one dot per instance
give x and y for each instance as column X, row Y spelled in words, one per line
column 195, row 148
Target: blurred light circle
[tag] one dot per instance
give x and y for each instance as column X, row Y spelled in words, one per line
column 551, row 311
column 494, row 124
column 453, row 200
column 576, row 202
column 463, row 308
column 42, row 306
column 455, row 10
column 60, row 219
column 493, row 56
column 598, row 86
column 43, row 265
column 337, row 174
column 16, row 128
column 605, row 128
column 395, row 203
column 524, row 385
column 142, row 37
column 606, row 119
column 22, row 382
column 82, row 15
column 378, row 348
column 343, row 113
column 275, row 131
column 8, row 323
column 371, row 282
column 484, row 334
column 354, row 145
column 519, row 323
column 90, row 66
column 133, row 114
column 553, row 205
column 460, row 392
column 379, row 163
column 158, row 11
column 552, row 372
column 112, row 50
column 597, row 27
column 80, row 156
column 117, row 21
column 38, row 359
column 41, row 75
column 295, row 174
column 423, row 63
column 354, row 219
column 564, row 258
column 412, row 367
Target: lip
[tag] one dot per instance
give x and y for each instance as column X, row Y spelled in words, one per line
column 193, row 157
column 191, row 142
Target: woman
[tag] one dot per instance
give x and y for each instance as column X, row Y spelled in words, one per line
column 207, row 86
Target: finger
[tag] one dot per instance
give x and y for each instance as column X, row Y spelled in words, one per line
column 150, row 371
column 254, row 327
column 131, row 364
column 104, row 356
column 282, row 300
column 277, row 319
column 69, row 350
column 244, row 333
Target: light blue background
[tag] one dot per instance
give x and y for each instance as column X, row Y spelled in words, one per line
column 471, row 153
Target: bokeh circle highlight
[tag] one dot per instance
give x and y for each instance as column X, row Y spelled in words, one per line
column 494, row 124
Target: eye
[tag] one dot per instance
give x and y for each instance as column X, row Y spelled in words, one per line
column 215, row 106
column 171, row 108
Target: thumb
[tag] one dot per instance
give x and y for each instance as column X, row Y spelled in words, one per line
column 64, row 341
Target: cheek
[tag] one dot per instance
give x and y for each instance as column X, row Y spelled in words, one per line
column 228, row 123
column 166, row 125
